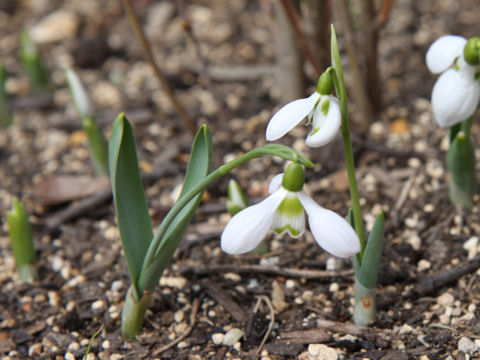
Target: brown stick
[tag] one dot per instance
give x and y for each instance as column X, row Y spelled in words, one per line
column 359, row 87
column 189, row 123
column 270, row 325
column 294, row 19
column 382, row 16
column 230, row 306
column 380, row 337
column 274, row 270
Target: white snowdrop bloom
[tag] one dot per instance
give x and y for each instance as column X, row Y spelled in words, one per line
column 321, row 109
column 284, row 212
column 456, row 93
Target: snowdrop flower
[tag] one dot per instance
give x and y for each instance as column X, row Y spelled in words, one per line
column 320, row 108
column 456, row 93
column 283, row 211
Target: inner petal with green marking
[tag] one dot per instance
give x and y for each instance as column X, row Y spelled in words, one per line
column 289, row 217
column 320, row 116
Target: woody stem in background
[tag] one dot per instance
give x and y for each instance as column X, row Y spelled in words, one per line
column 188, row 122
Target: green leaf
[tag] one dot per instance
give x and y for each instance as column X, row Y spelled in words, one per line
column 367, row 272
column 130, row 203
column 461, row 164
column 97, row 145
column 198, row 168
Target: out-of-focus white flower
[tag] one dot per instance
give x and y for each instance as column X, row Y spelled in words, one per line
column 456, row 93
column 321, row 109
column 283, row 211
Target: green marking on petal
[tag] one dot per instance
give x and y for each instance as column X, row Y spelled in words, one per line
column 290, row 206
column 314, row 131
column 457, row 65
column 326, row 106
column 316, row 104
column 287, row 228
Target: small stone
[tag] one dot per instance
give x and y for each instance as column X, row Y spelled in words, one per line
column 400, row 126
column 332, row 264
column 69, row 356
column 173, row 281
column 232, row 276
column 334, row 287
column 183, row 344
column 446, row 299
column 290, row 284
column 179, row 316
column 278, row 297
column 471, row 245
column 467, row 346
column 56, row 26
column 97, row 305
column 35, row 350
column 232, row 336
column 321, row 352
column 405, row 329
column 106, row 344
column 423, row 265
column 217, row 338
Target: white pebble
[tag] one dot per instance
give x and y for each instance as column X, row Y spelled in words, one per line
column 217, row 338
column 467, row 346
column 424, row 265
column 232, row 336
column 321, row 352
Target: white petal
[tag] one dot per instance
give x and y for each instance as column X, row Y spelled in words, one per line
column 332, row 232
column 443, row 52
column 248, row 228
column 289, row 116
column 275, row 183
column 455, row 97
column 328, row 125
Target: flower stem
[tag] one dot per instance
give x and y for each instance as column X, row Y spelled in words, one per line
column 349, row 161
column 271, row 149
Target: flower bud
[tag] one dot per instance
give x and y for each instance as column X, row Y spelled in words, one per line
column 325, row 84
column 471, row 51
column 237, row 200
column 293, row 177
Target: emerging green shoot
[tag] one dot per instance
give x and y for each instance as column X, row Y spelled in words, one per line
column 6, row 116
column 21, row 240
column 96, row 140
column 32, row 63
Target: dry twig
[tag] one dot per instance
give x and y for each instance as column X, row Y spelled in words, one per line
column 274, row 270
column 294, row 19
column 270, row 325
column 189, row 123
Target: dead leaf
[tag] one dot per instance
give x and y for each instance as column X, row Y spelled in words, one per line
column 61, row 189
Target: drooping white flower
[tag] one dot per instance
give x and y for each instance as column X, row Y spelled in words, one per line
column 284, row 212
column 321, row 109
column 456, row 93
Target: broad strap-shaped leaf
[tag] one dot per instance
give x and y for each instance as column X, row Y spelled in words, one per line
column 461, row 163
column 130, row 203
column 198, row 168
column 367, row 273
